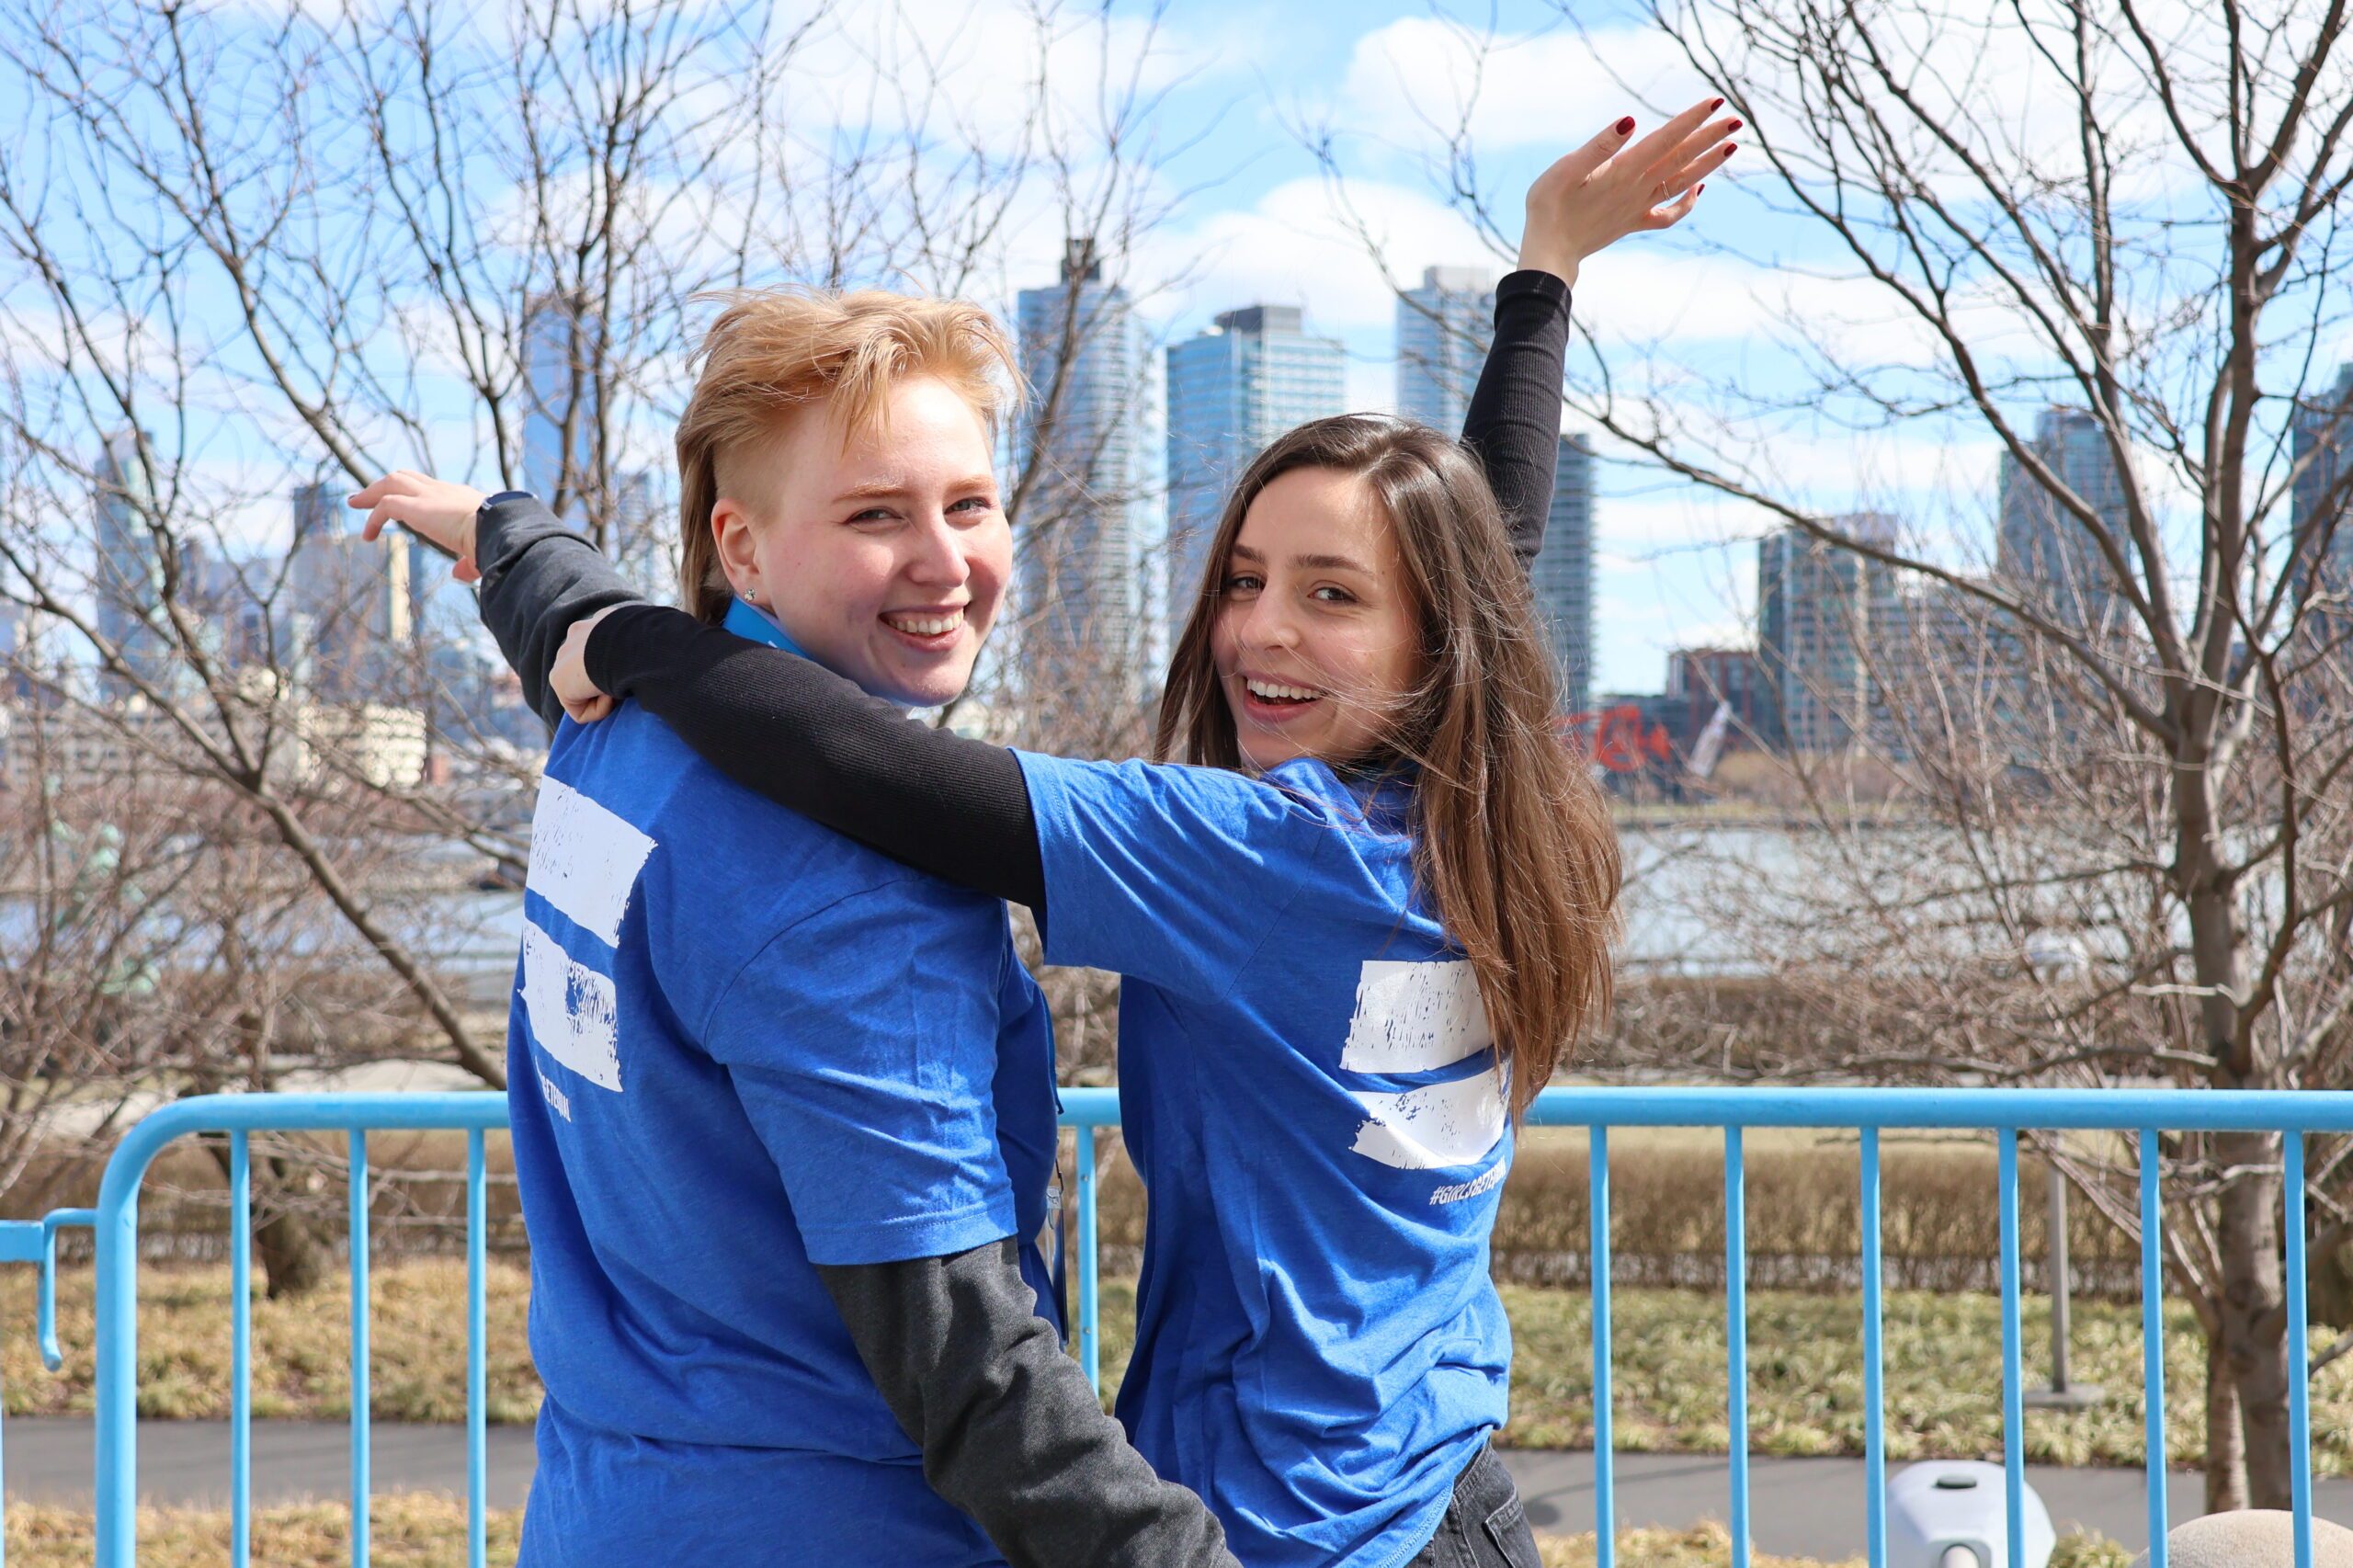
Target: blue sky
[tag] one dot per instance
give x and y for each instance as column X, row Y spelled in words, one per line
column 1258, row 223
column 1246, row 213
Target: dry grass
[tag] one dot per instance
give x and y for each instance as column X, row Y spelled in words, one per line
column 1943, row 1366
column 423, row 1531
column 301, row 1348
column 409, row 1529
column 1805, row 1365
column 1942, row 1229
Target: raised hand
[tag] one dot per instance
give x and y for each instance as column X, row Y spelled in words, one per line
column 1612, row 187
column 569, row 680
column 440, row 513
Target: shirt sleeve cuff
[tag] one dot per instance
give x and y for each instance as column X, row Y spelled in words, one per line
column 911, row 1236
column 1532, row 283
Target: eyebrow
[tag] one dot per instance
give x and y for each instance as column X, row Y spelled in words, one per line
column 1312, row 562
column 884, row 489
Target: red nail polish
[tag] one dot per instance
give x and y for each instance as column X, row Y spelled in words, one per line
column 1626, row 126
column 1700, row 187
column 1715, row 106
column 1735, row 125
column 1730, row 150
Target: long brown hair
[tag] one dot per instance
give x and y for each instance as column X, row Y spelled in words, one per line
column 1514, row 845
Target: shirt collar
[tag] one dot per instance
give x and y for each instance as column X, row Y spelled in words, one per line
column 754, row 624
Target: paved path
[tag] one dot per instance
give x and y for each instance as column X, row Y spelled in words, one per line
column 1805, row 1507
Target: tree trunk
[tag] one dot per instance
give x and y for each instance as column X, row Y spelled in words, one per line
column 2251, row 1310
column 294, row 1258
column 2225, row 1443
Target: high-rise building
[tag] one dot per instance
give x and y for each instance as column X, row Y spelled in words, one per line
column 1562, row 575
column 128, row 584
column 2322, row 444
column 1444, row 330
column 1822, row 614
column 563, row 354
column 1250, row 378
column 2043, row 547
column 1083, row 543
column 347, row 605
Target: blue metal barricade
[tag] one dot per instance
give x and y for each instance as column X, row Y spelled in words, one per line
column 2006, row 1113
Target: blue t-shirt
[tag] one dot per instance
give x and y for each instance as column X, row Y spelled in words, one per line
column 742, row 1045
column 1308, row 1088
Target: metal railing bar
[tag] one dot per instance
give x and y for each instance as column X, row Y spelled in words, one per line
column 1605, row 1466
column 1964, row 1110
column 2300, row 1342
column 2013, row 1396
column 1874, row 1365
column 1089, row 1304
column 1736, row 1336
column 2002, row 1112
column 51, row 1355
column 2152, row 1342
column 359, row 1395
column 477, row 1338
column 241, row 1335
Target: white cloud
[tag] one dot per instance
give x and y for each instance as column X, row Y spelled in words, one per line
column 1546, row 90
column 1303, row 242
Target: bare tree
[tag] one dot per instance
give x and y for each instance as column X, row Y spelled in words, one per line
column 2102, row 238
column 249, row 264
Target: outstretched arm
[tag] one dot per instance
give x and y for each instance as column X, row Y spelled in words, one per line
column 530, row 596
column 1586, row 202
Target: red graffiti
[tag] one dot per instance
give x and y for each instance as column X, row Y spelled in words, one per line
column 1616, row 739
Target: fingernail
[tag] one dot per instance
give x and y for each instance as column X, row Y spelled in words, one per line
column 1700, row 187
column 1735, row 125
column 1626, row 126
column 1717, row 104
column 1731, row 149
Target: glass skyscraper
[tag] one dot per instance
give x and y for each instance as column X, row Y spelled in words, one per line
column 1084, row 542
column 2322, row 442
column 2045, row 547
column 1444, row 329
column 1232, row 390
column 561, row 352
column 1562, row 576
column 1825, row 615
column 128, row 583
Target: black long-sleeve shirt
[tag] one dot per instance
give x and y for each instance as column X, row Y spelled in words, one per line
column 1009, row 1429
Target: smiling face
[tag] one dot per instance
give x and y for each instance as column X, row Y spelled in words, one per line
column 1316, row 642
column 884, row 557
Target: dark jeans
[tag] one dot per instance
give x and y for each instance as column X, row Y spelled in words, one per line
column 1486, row 1527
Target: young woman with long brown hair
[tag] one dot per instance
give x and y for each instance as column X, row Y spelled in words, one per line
column 1362, row 902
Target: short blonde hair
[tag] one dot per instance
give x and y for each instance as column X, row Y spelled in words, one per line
column 773, row 353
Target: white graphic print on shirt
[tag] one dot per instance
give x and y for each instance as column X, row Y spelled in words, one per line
column 1413, row 1017
column 584, row 862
